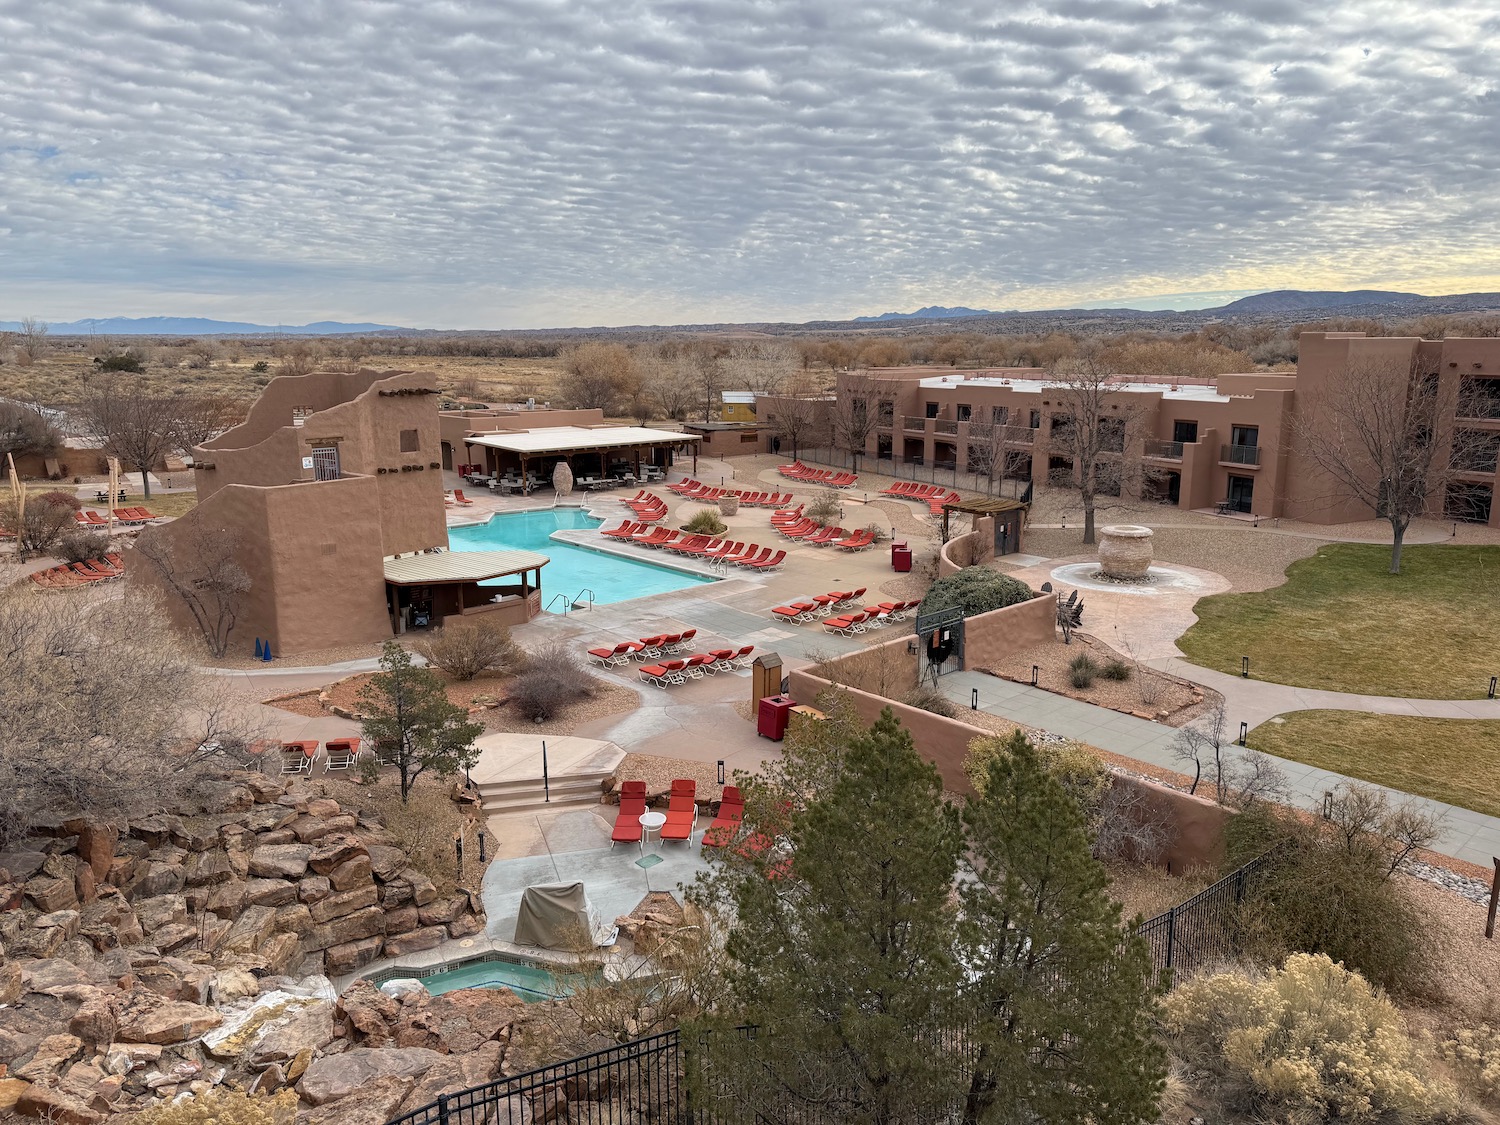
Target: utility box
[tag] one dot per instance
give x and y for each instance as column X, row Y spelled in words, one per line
column 901, row 559
column 774, row 713
column 765, row 677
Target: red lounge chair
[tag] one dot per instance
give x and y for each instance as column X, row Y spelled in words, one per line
column 741, row 659
column 697, row 665
column 297, row 757
column 649, row 648
column 727, row 823
column 628, row 820
column 667, row 672
column 768, row 564
column 795, row 613
column 752, row 551
column 626, row 529
column 725, row 551
column 681, row 643
column 458, row 495
column 847, row 624
column 825, row 537
column 342, row 753
column 682, row 812
column 609, row 657
column 689, row 543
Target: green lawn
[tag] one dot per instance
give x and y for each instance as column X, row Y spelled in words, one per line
column 163, row 503
column 1342, row 623
column 1452, row 760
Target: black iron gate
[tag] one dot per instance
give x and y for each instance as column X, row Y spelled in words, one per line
column 940, row 643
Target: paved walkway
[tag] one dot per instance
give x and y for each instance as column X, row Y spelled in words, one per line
column 1465, row 834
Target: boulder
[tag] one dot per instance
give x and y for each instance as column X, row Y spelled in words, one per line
column 314, row 888
column 52, row 1054
column 208, row 868
column 444, row 910
column 277, row 836
column 309, row 829
column 351, row 955
column 230, row 985
column 22, row 864
column 458, row 1022
column 323, row 806
column 454, row 1073
column 268, row 818
column 351, row 873
column 374, row 1103
column 334, row 1077
column 171, row 938
column 465, row 926
column 254, row 925
column 344, row 902
column 370, row 1012
column 228, row 898
column 402, row 920
column 156, row 878
column 267, row 1082
column 96, row 846
column 416, row 941
column 269, row 892
column 95, row 1022
column 11, row 986
column 280, row 861
column 10, row 1091
column 55, row 1107
column 196, row 834
column 147, row 1018
column 48, row 894
column 281, row 952
column 350, row 927
column 294, row 919
column 65, row 920
column 161, row 910
column 386, row 862
column 52, row 977
column 335, row 849
column 310, row 1027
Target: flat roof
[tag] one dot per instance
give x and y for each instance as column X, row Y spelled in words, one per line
column 460, row 566
column 564, row 439
column 1037, row 386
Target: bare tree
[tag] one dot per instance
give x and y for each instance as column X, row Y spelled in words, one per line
column 34, row 341
column 102, row 711
column 856, row 412
column 201, row 418
column 1251, row 777
column 197, row 565
column 762, row 366
column 1098, row 423
column 1363, row 818
column 703, row 359
column 1202, row 741
column 1379, row 430
column 25, row 429
column 131, row 422
column 666, row 377
column 596, row 376
column 42, row 522
column 799, row 414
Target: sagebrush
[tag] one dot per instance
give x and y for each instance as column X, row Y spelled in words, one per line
column 552, row 679
column 467, row 649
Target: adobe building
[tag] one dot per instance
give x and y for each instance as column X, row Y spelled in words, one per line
column 1225, row 443
column 332, row 491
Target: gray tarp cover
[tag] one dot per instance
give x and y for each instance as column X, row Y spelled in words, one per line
column 555, row 917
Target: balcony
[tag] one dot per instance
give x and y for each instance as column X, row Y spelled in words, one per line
column 944, row 426
column 912, row 422
column 1020, row 435
column 1239, row 455
column 1164, row 450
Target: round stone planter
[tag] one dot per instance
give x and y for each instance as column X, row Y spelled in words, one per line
column 729, row 505
column 1125, row 551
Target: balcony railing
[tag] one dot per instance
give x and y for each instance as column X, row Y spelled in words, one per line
column 1166, row 450
column 1020, row 435
column 912, row 422
column 1240, row 454
column 944, row 426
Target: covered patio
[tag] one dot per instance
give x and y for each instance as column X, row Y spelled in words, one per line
column 424, row 589
column 603, row 456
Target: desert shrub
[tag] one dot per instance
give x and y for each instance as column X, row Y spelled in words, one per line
column 928, row 698
column 47, row 518
column 880, row 533
column 466, row 649
column 975, row 589
column 1312, row 1041
column 260, row 365
column 1474, row 1054
column 1320, row 894
column 1073, row 764
column 1116, row 670
column 706, row 522
column 223, row 1107
column 129, row 360
column 1082, row 671
column 552, row 680
column 81, row 546
column 827, row 507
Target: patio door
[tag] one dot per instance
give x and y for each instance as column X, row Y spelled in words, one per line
column 1241, row 490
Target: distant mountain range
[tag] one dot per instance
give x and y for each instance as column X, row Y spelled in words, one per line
column 931, row 312
column 1294, row 300
column 199, row 326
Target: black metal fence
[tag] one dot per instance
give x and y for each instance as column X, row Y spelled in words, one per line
column 646, row 1079
column 945, row 473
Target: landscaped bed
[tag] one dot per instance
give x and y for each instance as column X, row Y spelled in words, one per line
column 1451, row 760
column 1341, row 622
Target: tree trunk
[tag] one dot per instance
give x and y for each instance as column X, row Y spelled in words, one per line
column 1088, row 520
column 1398, row 533
column 146, row 481
column 1197, row 774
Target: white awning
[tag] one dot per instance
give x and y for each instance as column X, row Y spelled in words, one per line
column 573, row 439
column 460, row 566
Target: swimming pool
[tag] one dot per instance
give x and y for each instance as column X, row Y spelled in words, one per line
column 529, row 982
column 573, row 569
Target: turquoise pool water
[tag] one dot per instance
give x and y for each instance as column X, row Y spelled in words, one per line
column 572, row 569
column 529, row 982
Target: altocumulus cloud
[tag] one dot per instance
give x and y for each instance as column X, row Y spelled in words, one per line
column 534, row 162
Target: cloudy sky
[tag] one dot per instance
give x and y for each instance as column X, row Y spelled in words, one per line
column 533, row 163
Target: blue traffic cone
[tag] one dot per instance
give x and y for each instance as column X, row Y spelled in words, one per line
column 258, row 650
column 267, row 654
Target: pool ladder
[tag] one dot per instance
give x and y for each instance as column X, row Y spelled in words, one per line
column 584, row 599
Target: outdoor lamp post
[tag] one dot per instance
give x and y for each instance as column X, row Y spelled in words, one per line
column 481, row 845
column 1035, row 671
column 974, row 700
column 458, row 848
column 1493, row 684
column 1245, row 667
column 721, row 771
column 1244, row 732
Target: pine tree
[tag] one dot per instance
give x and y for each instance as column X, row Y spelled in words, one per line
column 409, row 720
column 1063, row 993
column 843, row 956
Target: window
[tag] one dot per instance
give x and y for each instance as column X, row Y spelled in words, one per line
column 932, row 410
column 409, row 441
column 299, row 414
column 886, row 414
column 1244, row 435
column 1112, row 437
column 1036, row 419
column 965, row 412
column 999, row 415
column 1185, row 432
column 749, row 437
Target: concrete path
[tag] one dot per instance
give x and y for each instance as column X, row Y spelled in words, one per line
column 1465, row 834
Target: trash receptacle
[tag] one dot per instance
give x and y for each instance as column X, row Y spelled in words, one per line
column 774, row 712
column 901, row 559
column 897, row 545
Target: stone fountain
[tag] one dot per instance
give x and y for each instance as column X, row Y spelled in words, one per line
column 1125, row 552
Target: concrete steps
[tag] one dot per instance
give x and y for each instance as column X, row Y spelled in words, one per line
column 508, row 775
column 527, row 794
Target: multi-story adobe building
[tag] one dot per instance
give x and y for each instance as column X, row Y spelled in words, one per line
column 1232, row 442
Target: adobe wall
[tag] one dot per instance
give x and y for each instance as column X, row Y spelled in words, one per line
column 991, row 638
column 317, row 391
column 1196, row 825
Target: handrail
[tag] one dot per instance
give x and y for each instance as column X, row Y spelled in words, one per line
column 575, row 603
column 567, row 603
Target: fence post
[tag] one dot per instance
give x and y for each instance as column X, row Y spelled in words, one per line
column 1239, row 884
column 442, row 1109
column 1171, row 933
column 1489, row 925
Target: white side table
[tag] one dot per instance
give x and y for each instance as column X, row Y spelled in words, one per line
column 652, row 822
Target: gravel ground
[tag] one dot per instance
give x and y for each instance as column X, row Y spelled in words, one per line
column 610, row 699
column 659, row 773
column 1470, row 965
column 1171, row 696
column 313, row 659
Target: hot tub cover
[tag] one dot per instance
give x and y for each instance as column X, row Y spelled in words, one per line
column 554, row 916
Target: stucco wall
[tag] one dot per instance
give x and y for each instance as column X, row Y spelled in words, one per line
column 975, row 547
column 993, row 637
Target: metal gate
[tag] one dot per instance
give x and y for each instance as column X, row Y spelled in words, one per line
column 325, row 462
column 940, row 642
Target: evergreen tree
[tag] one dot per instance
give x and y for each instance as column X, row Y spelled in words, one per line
column 842, row 949
column 409, row 720
column 1062, row 992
